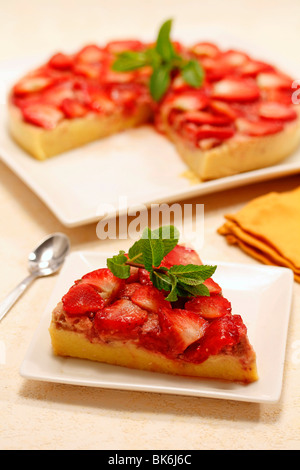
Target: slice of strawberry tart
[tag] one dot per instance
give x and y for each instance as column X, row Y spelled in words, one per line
column 129, row 322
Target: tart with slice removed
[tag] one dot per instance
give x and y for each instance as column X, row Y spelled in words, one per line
column 130, row 322
column 240, row 118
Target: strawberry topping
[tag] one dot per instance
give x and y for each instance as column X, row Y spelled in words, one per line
column 42, row 115
column 149, row 298
column 235, row 89
column 276, row 111
column 105, row 282
column 82, row 299
column 214, row 306
column 258, row 128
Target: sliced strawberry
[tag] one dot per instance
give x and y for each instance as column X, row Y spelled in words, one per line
column 81, row 299
column 258, row 128
column 181, row 255
column 144, row 277
column 279, row 95
column 217, row 132
column 42, row 115
column 234, row 58
column 206, row 49
column 212, row 286
column 209, row 307
column 87, row 70
column 223, row 108
column 180, row 328
column 128, row 290
column 221, row 334
column 91, row 54
column 274, row 80
column 56, row 94
column 73, row 108
column 149, row 298
column 252, row 68
column 121, row 319
column 208, row 144
column 61, row 61
column 116, row 47
column 235, row 89
column 98, row 101
column 134, row 275
column 215, row 69
column 276, row 111
column 31, row 85
column 189, row 101
column 201, row 117
column 103, row 279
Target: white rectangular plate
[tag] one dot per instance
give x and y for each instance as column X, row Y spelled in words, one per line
column 261, row 294
column 139, row 164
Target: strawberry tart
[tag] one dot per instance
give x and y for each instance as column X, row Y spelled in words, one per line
column 130, row 323
column 241, row 118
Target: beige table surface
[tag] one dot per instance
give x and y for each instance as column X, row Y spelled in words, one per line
column 36, row 415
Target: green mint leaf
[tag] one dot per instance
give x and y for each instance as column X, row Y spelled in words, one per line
column 159, row 82
column 130, row 60
column 163, row 44
column 135, row 252
column 195, row 290
column 169, row 236
column 173, row 294
column 161, row 281
column 153, row 250
column 117, row 265
column 195, row 271
column 193, row 73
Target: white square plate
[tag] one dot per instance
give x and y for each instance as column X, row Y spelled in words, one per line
column 261, row 294
column 139, row 164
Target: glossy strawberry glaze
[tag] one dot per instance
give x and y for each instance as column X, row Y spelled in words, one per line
column 134, row 310
column 240, row 95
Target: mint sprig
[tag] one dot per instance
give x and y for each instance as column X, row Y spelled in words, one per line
column 148, row 253
column 164, row 60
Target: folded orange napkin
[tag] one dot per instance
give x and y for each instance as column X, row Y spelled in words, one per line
column 268, row 229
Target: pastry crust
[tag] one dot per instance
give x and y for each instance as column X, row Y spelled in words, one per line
column 71, row 133
column 239, row 154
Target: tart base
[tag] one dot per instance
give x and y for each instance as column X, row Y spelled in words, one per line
column 128, row 354
column 71, row 133
column 238, row 155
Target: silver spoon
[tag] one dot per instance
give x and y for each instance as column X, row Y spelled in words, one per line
column 46, row 259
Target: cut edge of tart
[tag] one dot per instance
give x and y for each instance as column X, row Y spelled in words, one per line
column 130, row 323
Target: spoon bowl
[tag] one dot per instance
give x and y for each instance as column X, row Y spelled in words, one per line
column 49, row 255
column 44, row 260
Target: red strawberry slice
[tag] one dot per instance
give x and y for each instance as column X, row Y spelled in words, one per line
column 181, row 328
column 276, row 111
column 215, row 69
column 234, row 58
column 206, row 49
column 87, row 70
column 217, row 132
column 73, row 108
column 223, row 108
column 103, row 280
column 269, row 80
column 279, row 95
column 201, row 117
column 81, row 299
column 59, row 92
column 212, row 286
column 209, row 307
column 252, row 68
column 235, row 89
column 91, row 54
column 181, row 255
column 221, row 333
column 258, row 128
column 120, row 320
column 116, row 47
column 144, row 277
column 128, row 290
column 42, row 115
column 61, row 61
column 31, row 85
column 189, row 101
column 149, row 298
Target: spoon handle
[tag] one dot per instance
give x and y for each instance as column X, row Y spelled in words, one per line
column 9, row 301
